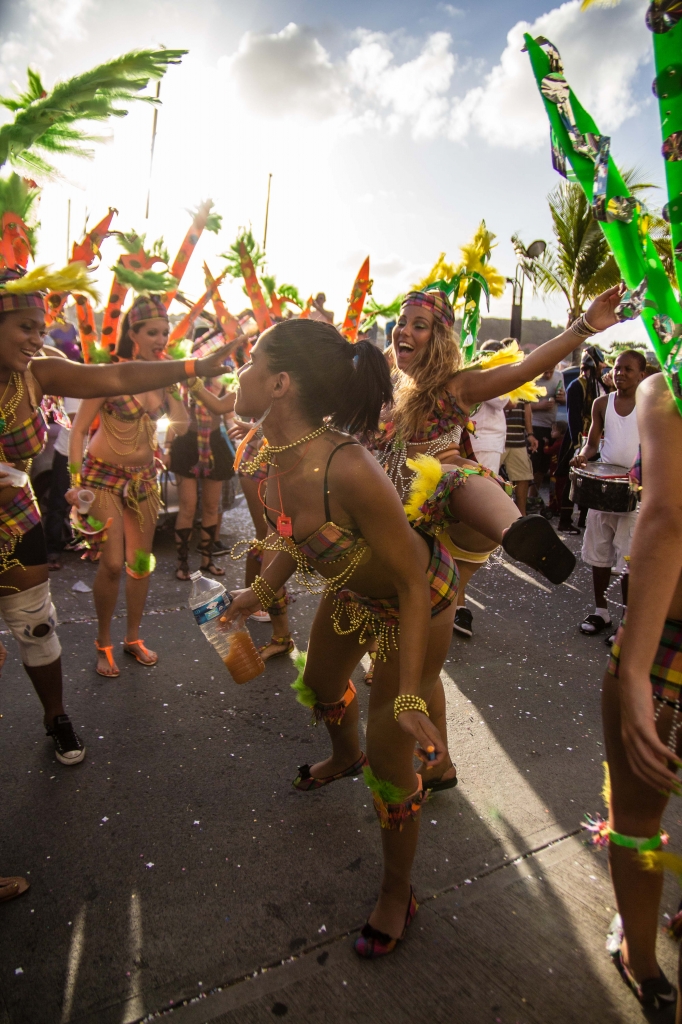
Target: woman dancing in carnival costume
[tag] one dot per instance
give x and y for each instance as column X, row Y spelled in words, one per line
column 120, row 467
column 25, row 601
column 201, row 453
column 305, row 381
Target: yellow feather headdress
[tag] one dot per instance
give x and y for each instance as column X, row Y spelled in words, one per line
column 71, row 278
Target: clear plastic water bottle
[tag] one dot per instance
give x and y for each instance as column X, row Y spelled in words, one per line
column 209, row 600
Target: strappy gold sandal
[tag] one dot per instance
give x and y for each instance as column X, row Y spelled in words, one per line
column 127, row 644
column 280, row 641
column 107, row 651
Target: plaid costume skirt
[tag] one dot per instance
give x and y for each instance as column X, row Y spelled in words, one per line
column 19, row 516
column 666, row 671
column 380, row 617
column 130, row 484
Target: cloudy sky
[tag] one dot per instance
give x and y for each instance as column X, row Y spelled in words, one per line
column 390, row 128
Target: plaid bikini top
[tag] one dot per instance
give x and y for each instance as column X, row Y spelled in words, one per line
column 329, row 541
column 26, row 440
column 445, row 418
column 128, row 409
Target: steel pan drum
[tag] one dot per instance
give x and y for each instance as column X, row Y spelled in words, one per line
column 602, row 486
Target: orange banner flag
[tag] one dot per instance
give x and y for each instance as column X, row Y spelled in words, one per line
column 361, row 287
column 228, row 324
column 187, row 248
column 253, row 290
column 305, row 312
column 86, row 327
column 182, row 329
column 84, row 252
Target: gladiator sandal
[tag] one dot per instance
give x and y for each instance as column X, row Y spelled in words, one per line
column 305, row 782
column 285, row 642
column 208, row 539
column 372, row 943
column 182, row 539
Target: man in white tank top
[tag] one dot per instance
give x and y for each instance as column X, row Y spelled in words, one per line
column 608, row 535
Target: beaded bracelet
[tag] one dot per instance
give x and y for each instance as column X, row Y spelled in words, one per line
column 264, row 592
column 409, row 702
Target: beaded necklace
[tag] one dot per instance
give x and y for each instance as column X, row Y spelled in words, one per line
column 8, row 412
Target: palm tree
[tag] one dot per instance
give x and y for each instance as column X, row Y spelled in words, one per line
column 580, row 264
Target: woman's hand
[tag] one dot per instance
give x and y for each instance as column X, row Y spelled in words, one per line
column 237, row 430
column 213, row 365
column 647, row 754
column 601, row 313
column 244, row 603
column 5, row 480
column 72, row 495
column 430, row 746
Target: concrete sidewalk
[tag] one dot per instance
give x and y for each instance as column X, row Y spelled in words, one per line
column 177, row 871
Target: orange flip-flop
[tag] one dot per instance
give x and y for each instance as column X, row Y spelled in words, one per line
column 110, row 660
column 143, row 650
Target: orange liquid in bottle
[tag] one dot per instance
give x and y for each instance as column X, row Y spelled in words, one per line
column 243, row 661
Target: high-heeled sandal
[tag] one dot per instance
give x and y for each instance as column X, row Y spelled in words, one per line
column 182, row 546
column 142, row 650
column 371, row 943
column 305, row 782
column 439, row 784
column 279, row 641
column 206, row 551
column 107, row 652
column 369, row 674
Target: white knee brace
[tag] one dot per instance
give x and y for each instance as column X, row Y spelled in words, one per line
column 32, row 620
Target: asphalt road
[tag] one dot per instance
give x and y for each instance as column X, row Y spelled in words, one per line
column 177, row 873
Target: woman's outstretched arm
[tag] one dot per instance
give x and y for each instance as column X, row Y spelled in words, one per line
column 474, row 386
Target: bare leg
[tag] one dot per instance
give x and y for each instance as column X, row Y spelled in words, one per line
column 250, row 489
column 601, row 577
column 481, row 504
column 109, row 568
column 521, row 494
column 138, row 538
column 184, row 521
column 438, row 717
column 280, row 623
column 390, row 751
column 47, row 682
column 210, row 504
column 327, row 648
column 636, row 810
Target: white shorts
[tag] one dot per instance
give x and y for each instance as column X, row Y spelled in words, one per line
column 491, row 460
column 607, row 538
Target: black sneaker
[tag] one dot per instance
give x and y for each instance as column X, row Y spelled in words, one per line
column 464, row 622
column 68, row 747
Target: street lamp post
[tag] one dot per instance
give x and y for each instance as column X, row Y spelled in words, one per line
column 525, row 258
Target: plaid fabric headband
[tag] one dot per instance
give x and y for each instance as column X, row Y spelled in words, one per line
column 146, row 307
column 10, row 301
column 436, row 300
